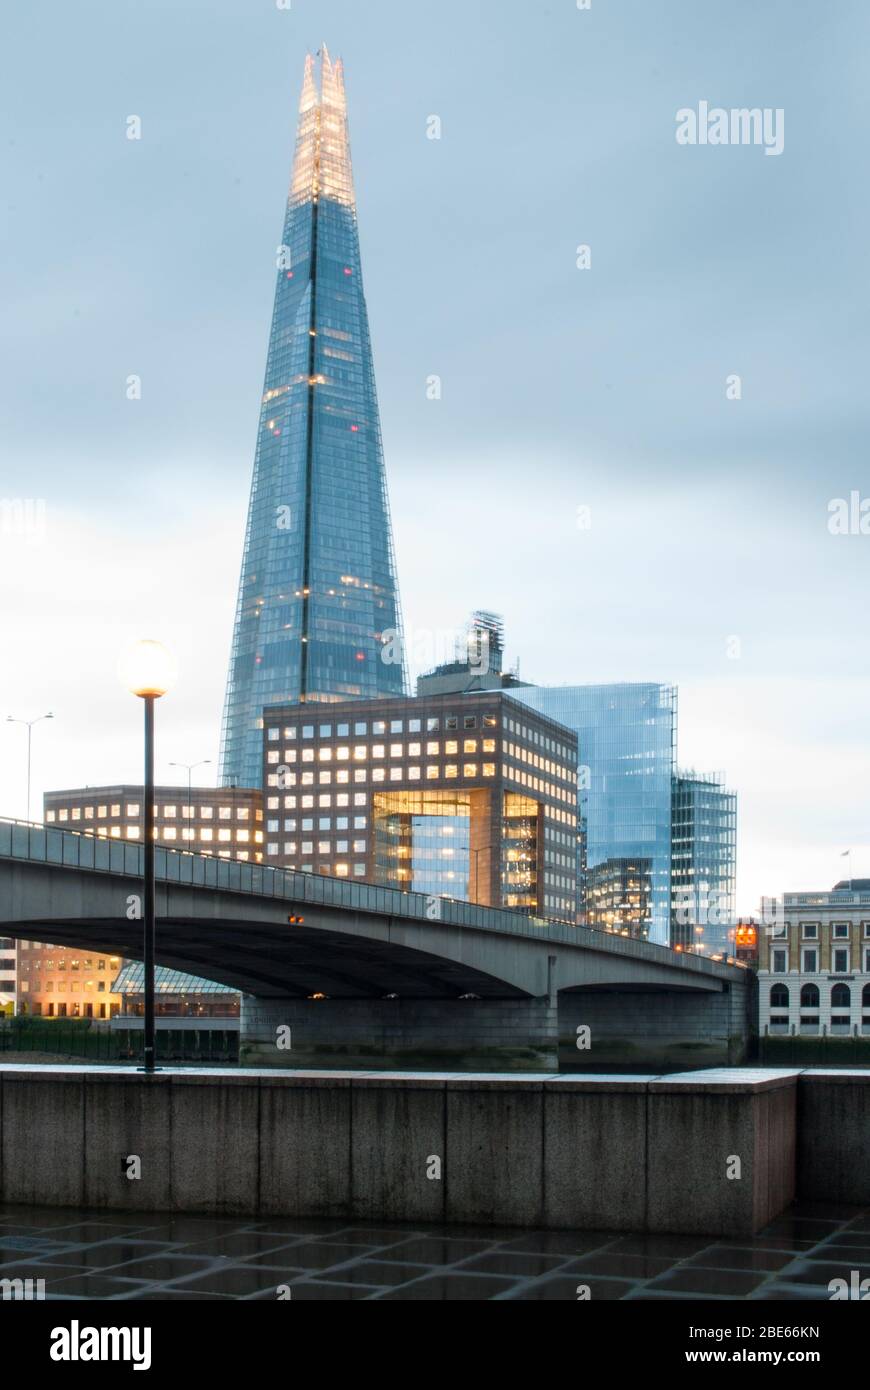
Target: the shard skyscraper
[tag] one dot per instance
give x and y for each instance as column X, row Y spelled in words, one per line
column 318, row 606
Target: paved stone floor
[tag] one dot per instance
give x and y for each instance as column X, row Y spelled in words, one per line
column 105, row 1255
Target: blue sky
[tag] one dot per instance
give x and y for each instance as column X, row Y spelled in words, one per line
column 561, row 388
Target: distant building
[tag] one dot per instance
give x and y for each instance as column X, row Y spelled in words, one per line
column 318, row 600
column 226, row 822
column 8, row 975
column 703, row 857
column 468, row 796
column 478, row 663
column 814, row 962
column 223, row 821
column 60, row 982
column 627, row 735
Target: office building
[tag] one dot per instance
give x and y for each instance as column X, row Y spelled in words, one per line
column 317, row 617
column 468, row 796
column 224, row 821
column 703, row 856
column 814, row 962
column 478, row 663
column 627, row 736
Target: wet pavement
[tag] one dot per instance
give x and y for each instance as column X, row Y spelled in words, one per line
column 105, row 1255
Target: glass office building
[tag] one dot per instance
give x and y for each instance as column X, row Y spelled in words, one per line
column 318, row 602
column 704, row 850
column 627, row 737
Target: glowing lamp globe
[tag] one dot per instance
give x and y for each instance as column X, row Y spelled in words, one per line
column 147, row 669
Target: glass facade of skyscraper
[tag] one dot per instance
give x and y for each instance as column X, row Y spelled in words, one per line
column 704, row 831
column 627, row 737
column 318, row 602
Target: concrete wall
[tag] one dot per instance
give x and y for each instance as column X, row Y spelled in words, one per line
column 618, row 1153
column 834, row 1136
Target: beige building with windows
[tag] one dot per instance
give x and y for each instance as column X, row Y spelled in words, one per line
column 224, row 821
column 814, row 963
column 55, row 982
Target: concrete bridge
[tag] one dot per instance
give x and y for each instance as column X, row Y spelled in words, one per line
column 376, row 977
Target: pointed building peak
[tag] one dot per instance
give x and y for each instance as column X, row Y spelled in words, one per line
column 309, row 96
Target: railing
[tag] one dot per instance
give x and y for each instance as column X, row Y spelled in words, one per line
column 77, row 850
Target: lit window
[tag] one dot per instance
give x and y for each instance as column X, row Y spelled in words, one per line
column 451, row 770
column 489, row 769
column 359, row 846
column 325, row 800
column 378, row 774
column 225, row 813
column 342, row 776
column 379, row 726
column 225, row 835
column 49, row 815
column 322, row 846
column 451, row 747
column 396, row 750
column 206, row 812
column 488, row 745
column 342, row 754
column 116, row 811
column 89, row 813
column 432, row 772
column 325, row 755
column 169, row 812
column 308, row 755
column 377, row 750
column 116, row 832
column 291, row 731
column 413, row 774
column 433, row 748
column 169, row 832
column 133, row 809
column 241, row 835
column 76, row 813
column 359, row 753
column 395, row 774
column 341, row 870
column 132, row 832
column 360, row 775
column 206, row 835
column 469, row 745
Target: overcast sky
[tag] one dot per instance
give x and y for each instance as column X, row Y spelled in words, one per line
column 708, row 561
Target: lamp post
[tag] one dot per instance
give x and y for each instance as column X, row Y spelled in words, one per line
column 29, row 723
column 148, row 671
column 203, row 762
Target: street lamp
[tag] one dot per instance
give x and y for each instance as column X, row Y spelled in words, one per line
column 30, row 723
column 148, row 671
column 204, row 762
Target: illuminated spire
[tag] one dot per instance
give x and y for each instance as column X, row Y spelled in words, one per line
column 322, row 167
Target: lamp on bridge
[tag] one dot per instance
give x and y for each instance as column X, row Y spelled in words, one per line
column 148, row 671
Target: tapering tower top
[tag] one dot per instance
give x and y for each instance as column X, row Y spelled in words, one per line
column 322, row 167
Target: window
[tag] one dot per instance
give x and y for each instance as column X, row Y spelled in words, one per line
column 841, row 997
column 342, row 731
column 810, row 931
column 451, row 722
column 225, row 813
column 414, row 726
column 291, row 731
column 451, row 770
column 308, row 731
column 433, row 726
column 396, row 726
column 396, row 750
column 470, row 721
column 133, row 808
column 326, row 731
column 451, row 747
column 360, row 727
column 779, row 962
column 379, row 726
column 490, row 721
column 779, row 997
column 810, row 961
column 840, row 963
column 841, row 931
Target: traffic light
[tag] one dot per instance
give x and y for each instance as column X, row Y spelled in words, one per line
column 295, row 921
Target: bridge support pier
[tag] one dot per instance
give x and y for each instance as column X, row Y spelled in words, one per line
column 520, row 1034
